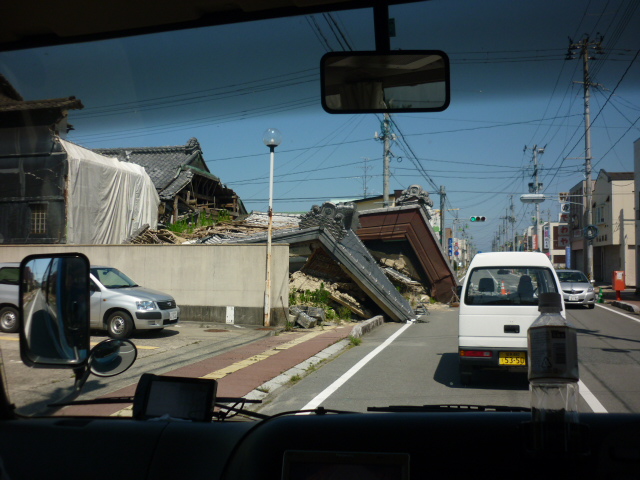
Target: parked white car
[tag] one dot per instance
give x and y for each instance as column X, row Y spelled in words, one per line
column 120, row 306
column 9, row 297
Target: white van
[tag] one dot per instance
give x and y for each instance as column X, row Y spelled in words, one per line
column 498, row 303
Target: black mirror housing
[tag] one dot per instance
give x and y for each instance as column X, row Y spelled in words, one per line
column 54, row 310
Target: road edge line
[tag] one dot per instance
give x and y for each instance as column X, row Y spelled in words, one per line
column 327, row 392
column 590, row 398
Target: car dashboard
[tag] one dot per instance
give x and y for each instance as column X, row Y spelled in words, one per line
column 416, row 445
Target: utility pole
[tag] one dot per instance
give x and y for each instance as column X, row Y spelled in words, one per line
column 443, row 196
column 535, row 188
column 385, row 136
column 512, row 220
column 366, row 168
column 584, row 47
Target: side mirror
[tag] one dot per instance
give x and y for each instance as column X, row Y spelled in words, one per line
column 54, row 310
column 459, row 290
column 112, row 357
column 385, row 82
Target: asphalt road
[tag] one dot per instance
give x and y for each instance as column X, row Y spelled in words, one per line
column 420, row 367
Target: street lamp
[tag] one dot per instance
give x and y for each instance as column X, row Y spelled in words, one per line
column 271, row 138
column 537, row 199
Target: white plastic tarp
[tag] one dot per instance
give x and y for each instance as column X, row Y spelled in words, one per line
column 107, row 200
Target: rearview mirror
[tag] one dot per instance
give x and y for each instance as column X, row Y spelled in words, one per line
column 387, row 82
column 54, row 310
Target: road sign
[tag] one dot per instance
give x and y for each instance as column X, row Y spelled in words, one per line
column 563, row 218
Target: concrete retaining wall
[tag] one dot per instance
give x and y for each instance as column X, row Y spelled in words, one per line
column 211, row 283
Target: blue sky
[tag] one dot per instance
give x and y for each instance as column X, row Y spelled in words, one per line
column 511, row 88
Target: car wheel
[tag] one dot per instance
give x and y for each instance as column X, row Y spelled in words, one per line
column 119, row 325
column 592, row 305
column 9, row 320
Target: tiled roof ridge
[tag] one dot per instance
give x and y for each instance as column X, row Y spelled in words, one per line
column 191, row 146
column 69, row 103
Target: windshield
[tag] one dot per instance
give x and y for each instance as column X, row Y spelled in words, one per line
column 573, row 277
column 508, row 286
column 153, row 155
column 112, row 278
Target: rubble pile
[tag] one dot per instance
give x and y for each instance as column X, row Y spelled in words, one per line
column 155, row 237
column 232, row 229
column 340, row 292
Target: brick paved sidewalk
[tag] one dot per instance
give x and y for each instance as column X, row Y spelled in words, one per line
column 241, row 370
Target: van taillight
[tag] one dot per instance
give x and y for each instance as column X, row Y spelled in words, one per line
column 476, row 353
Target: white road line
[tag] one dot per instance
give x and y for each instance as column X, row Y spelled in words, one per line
column 634, row 318
column 322, row 396
column 590, row 398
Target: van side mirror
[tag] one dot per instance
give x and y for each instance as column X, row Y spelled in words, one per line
column 54, row 310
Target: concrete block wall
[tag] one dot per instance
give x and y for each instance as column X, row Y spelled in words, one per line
column 205, row 280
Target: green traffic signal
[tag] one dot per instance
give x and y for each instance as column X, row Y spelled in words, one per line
column 477, row 219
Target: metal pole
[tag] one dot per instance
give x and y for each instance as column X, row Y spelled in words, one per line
column 537, row 190
column 587, row 160
column 267, row 286
column 442, row 207
column 387, row 172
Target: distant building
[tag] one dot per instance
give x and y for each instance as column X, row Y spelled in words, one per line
column 614, row 248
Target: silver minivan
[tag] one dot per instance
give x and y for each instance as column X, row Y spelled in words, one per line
column 498, row 304
column 9, row 279
column 120, row 306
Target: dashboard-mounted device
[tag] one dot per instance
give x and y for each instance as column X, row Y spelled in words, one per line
column 174, row 397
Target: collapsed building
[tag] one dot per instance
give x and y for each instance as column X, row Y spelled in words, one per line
column 367, row 260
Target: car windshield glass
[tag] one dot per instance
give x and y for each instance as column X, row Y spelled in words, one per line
column 112, row 278
column 264, row 230
column 508, row 286
column 573, row 277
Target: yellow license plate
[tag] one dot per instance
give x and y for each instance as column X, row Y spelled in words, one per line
column 512, row 358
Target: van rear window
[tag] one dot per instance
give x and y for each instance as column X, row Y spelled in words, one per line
column 508, row 285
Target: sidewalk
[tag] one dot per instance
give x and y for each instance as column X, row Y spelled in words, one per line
column 254, row 370
column 629, row 299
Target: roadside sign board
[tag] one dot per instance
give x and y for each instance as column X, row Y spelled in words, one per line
column 563, row 241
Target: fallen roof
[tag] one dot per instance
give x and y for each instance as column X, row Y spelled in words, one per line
column 409, row 223
column 354, row 259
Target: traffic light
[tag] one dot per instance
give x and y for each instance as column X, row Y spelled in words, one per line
column 477, row 219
